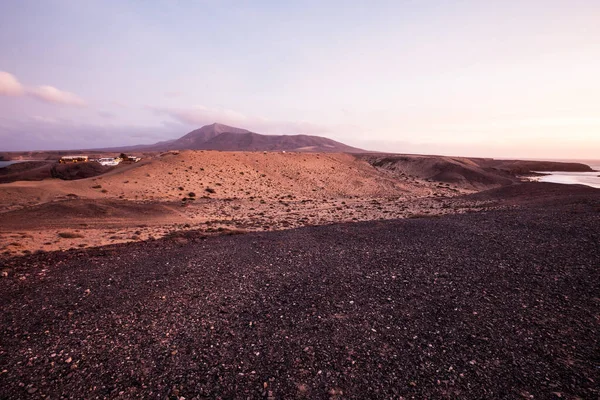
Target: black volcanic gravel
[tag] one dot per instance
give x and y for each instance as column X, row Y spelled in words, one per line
column 494, row 305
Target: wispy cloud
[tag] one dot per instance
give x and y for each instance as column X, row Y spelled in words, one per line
column 50, row 94
column 201, row 115
column 10, row 86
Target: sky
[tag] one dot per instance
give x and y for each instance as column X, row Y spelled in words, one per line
column 473, row 78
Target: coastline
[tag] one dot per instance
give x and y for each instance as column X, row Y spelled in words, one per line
column 591, row 179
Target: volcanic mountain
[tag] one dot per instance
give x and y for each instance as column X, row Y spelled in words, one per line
column 227, row 138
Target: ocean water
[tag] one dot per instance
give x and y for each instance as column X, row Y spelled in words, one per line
column 572, row 178
column 7, row 163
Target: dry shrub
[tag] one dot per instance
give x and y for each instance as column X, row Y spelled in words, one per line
column 70, row 235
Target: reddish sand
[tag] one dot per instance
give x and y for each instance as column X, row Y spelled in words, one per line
column 222, row 190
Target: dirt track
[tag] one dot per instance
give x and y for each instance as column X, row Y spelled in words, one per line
column 500, row 304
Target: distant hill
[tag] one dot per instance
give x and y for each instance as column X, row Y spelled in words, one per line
column 227, row 138
column 466, row 172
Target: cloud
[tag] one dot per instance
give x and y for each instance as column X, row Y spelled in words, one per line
column 201, row 115
column 47, row 133
column 50, row 94
column 9, row 85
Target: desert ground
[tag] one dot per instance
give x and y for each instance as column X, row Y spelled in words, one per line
column 207, row 274
column 497, row 304
column 214, row 191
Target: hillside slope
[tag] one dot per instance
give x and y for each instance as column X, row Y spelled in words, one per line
column 219, row 175
column 460, row 171
column 227, row 138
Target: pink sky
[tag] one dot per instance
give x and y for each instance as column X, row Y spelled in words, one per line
column 502, row 79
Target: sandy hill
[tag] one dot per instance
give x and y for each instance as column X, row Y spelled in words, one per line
column 249, row 174
column 222, row 175
column 207, row 190
column 460, row 171
column 227, row 138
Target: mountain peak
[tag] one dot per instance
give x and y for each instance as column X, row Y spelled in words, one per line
column 221, row 128
column 217, row 136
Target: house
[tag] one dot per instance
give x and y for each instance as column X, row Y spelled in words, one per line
column 109, row 161
column 73, row 159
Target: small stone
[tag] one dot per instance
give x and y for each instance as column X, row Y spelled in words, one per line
column 302, row 388
column 68, row 360
column 31, row 390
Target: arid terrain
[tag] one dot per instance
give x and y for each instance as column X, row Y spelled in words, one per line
column 408, row 276
column 58, row 207
column 499, row 304
column 212, row 191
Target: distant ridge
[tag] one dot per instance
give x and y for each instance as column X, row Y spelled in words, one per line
column 227, row 138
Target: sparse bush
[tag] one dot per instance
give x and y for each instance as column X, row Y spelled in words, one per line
column 70, row 235
column 97, row 187
column 192, row 194
column 210, row 190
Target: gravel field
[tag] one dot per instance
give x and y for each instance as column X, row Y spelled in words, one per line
column 500, row 304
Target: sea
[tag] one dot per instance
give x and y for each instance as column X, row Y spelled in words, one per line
column 7, row 163
column 575, row 178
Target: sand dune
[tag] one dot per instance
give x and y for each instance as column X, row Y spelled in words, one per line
column 209, row 190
